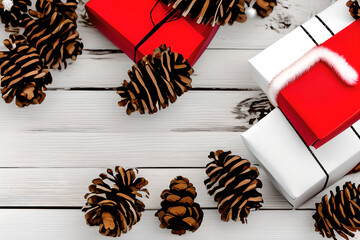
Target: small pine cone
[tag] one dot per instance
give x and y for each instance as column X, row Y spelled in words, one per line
column 354, row 8
column 67, row 9
column 24, row 74
column 115, row 209
column 264, row 7
column 234, row 185
column 224, row 12
column 153, row 83
column 340, row 213
column 55, row 37
column 178, row 210
column 355, row 169
column 12, row 12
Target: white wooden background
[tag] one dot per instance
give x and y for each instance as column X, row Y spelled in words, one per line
column 50, row 153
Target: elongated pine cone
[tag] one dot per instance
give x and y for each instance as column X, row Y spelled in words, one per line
column 220, row 12
column 264, row 7
column 67, row 9
column 155, row 80
column 234, row 184
column 178, row 210
column 354, row 8
column 12, row 12
column 340, row 213
column 115, row 209
column 54, row 35
column 24, row 75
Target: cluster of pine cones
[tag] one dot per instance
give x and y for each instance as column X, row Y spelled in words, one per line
column 49, row 39
column 115, row 209
column 221, row 12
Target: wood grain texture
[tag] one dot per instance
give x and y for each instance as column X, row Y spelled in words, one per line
column 98, row 112
column 43, row 224
column 58, row 187
column 50, row 153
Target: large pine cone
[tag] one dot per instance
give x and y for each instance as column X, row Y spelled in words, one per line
column 115, row 209
column 14, row 17
column 220, row 11
column 340, row 213
column 178, row 210
column 234, row 185
column 155, row 80
column 54, row 35
column 205, row 11
column 24, row 74
column 354, row 8
column 67, row 9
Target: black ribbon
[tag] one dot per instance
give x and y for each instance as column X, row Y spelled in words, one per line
column 312, row 153
column 172, row 15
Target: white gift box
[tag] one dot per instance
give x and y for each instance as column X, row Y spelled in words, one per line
column 299, row 171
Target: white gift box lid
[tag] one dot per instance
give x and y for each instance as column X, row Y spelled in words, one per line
column 298, row 42
column 299, row 171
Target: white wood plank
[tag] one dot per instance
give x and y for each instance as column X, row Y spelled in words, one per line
column 45, row 224
column 66, row 149
column 64, row 187
column 105, row 69
column 97, row 111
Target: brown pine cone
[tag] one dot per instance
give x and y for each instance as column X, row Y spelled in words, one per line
column 224, row 11
column 67, row 9
column 153, row 83
column 178, row 210
column 340, row 213
column 355, row 169
column 55, row 36
column 234, row 185
column 354, row 8
column 24, row 75
column 12, row 13
column 115, row 209
column 264, row 7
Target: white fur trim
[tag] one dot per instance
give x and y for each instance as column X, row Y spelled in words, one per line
column 7, row 4
column 336, row 62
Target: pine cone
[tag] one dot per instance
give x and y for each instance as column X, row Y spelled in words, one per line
column 178, row 210
column 153, row 83
column 115, row 209
column 12, row 12
column 68, row 9
column 24, row 74
column 54, row 35
column 264, row 7
column 234, row 185
column 341, row 213
column 355, row 169
column 354, row 8
column 224, row 11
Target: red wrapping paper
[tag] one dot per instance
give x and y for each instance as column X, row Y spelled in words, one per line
column 318, row 104
column 125, row 23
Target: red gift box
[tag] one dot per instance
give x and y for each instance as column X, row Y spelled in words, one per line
column 126, row 23
column 319, row 104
